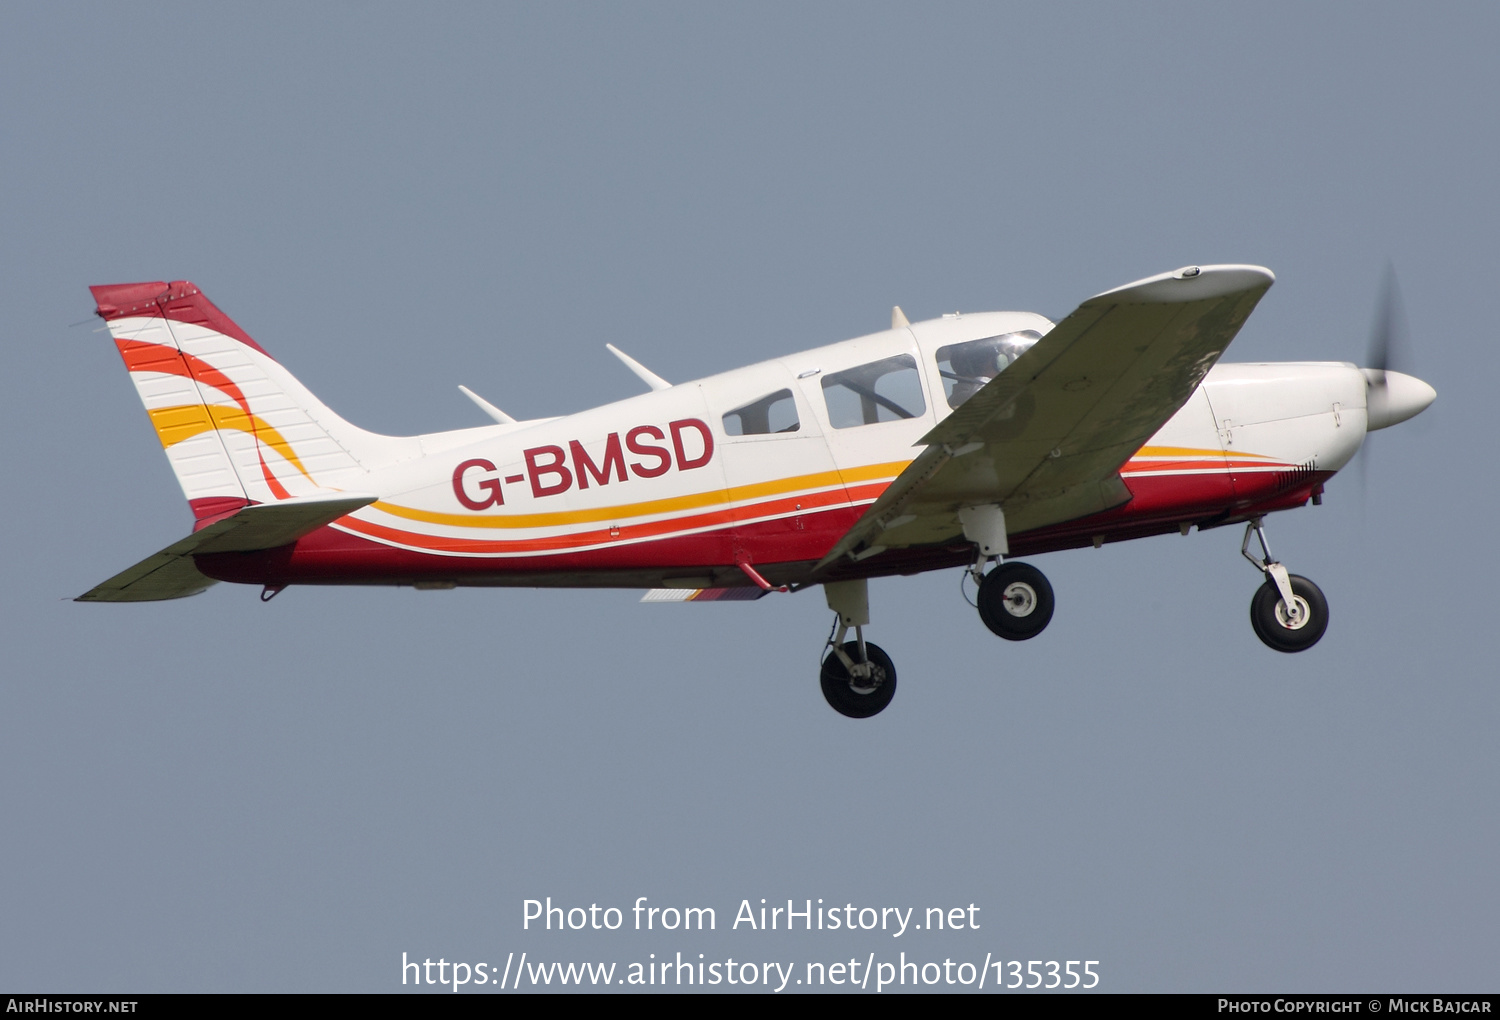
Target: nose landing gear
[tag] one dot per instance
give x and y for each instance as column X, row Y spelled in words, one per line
column 1288, row 612
column 858, row 678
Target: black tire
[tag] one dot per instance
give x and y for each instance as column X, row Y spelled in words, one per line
column 859, row 702
column 1268, row 616
column 1015, row 601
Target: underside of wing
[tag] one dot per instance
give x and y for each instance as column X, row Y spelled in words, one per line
column 1045, row 438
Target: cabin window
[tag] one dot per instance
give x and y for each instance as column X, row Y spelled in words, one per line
column 966, row 367
column 774, row 413
column 885, row 390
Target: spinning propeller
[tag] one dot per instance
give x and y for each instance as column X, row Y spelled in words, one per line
column 1391, row 397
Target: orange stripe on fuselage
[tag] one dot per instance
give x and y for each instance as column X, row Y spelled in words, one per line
column 1167, row 460
column 625, row 533
column 560, row 518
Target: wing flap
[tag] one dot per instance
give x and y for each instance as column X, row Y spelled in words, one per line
column 748, row 593
column 172, row 574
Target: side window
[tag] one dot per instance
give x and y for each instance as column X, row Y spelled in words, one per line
column 968, row 366
column 884, row 390
column 775, row 413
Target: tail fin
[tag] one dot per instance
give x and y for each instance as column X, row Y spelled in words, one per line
column 237, row 427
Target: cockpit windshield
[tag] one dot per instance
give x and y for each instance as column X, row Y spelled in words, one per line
column 968, row 366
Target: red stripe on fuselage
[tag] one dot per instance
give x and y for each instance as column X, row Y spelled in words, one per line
column 334, row 556
column 805, row 504
column 331, row 555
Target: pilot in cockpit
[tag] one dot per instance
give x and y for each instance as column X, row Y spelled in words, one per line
column 970, row 365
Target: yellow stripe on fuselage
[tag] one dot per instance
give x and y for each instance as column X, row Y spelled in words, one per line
column 694, row 501
column 1183, row 452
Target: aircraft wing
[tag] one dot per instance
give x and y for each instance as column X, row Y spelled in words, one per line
column 1045, row 438
column 172, row 574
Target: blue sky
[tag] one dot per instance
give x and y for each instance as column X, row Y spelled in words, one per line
column 216, row 794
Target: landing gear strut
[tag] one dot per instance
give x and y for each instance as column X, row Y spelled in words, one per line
column 1288, row 612
column 858, row 678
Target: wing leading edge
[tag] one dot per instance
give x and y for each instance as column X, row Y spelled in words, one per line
column 1045, row 439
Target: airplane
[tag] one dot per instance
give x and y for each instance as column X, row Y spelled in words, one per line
column 957, row 442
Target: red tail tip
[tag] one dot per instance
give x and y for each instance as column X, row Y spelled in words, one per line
column 180, row 301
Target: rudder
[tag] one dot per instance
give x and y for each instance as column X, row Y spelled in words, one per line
column 236, row 426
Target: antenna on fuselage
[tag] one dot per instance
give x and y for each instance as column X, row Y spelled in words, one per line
column 898, row 318
column 487, row 407
column 645, row 374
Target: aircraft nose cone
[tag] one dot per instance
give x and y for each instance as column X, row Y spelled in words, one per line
column 1393, row 397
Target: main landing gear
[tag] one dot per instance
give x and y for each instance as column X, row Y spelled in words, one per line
column 1015, row 601
column 858, row 678
column 1288, row 612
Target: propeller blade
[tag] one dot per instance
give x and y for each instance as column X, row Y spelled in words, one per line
column 1391, row 396
column 1387, row 312
column 1388, row 333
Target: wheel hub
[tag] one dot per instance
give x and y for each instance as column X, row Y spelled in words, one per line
column 1019, row 599
column 1297, row 619
column 868, row 684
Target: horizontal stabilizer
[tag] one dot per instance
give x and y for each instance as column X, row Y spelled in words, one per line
column 167, row 575
column 172, row 574
column 745, row 594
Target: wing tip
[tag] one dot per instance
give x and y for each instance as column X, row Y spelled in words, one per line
column 1190, row 283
